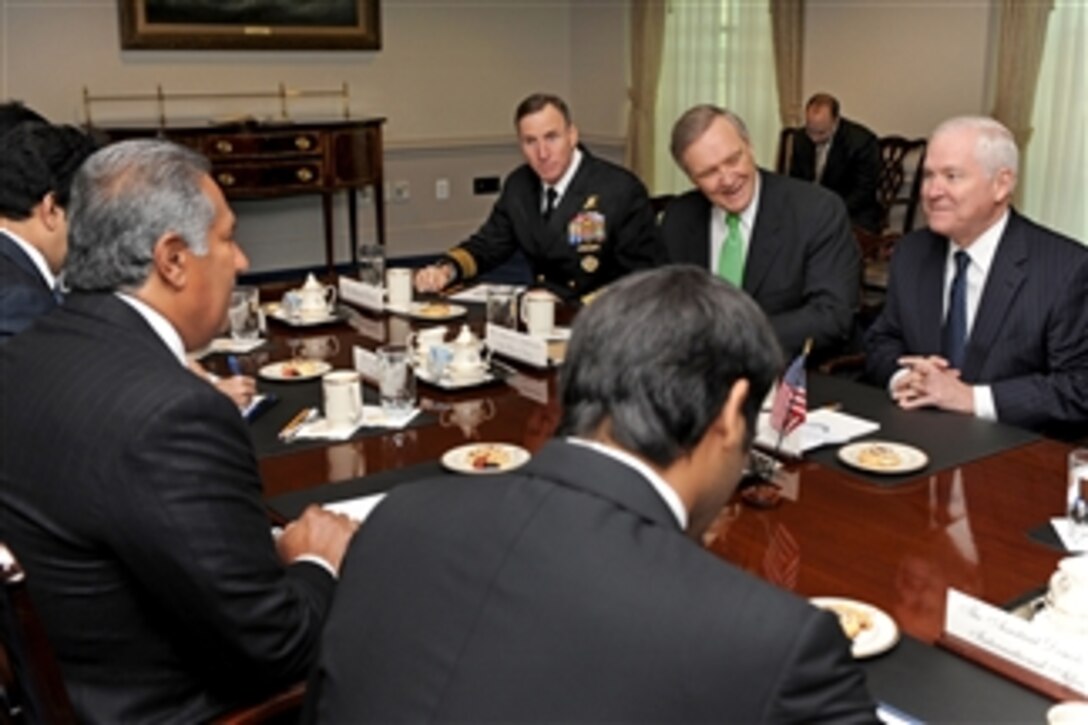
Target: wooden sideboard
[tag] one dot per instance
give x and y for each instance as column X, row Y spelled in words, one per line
column 253, row 160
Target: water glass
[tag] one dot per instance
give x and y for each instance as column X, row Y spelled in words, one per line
column 244, row 313
column 1077, row 494
column 372, row 264
column 502, row 306
column 396, row 379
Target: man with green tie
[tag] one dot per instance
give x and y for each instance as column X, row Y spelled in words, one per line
column 785, row 242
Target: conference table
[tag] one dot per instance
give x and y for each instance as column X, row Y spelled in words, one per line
column 973, row 519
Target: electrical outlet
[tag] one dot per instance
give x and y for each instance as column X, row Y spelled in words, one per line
column 442, row 189
column 402, row 191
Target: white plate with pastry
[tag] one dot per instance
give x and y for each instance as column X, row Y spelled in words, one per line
column 434, row 311
column 883, row 457
column 289, row 371
column 870, row 629
column 483, row 458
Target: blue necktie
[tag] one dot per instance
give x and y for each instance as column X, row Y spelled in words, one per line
column 954, row 342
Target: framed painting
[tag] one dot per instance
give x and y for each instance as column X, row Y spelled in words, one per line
column 250, row 24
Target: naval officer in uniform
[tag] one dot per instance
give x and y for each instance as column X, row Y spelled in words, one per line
column 581, row 221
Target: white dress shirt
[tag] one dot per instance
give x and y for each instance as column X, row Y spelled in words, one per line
column 719, row 229
column 564, row 181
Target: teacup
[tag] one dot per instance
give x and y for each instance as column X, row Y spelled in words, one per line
column 460, row 371
column 423, row 340
column 538, row 312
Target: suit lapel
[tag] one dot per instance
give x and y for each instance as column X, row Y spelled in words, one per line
column 1002, row 286
column 766, row 242
column 930, row 295
column 587, row 470
column 545, row 234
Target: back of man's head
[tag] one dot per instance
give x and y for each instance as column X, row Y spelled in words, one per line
column 13, row 113
column 39, row 159
column 124, row 199
column 655, row 357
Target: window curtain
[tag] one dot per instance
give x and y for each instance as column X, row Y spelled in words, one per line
column 788, row 36
column 647, row 38
column 716, row 52
column 1021, row 37
column 1054, row 168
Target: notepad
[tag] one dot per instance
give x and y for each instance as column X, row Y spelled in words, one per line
column 822, row 427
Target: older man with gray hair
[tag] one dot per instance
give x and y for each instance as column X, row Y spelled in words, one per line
column 128, row 486
column 987, row 312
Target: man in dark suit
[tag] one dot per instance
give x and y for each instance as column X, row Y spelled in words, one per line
column 987, row 312
column 39, row 162
column 786, row 243
column 580, row 221
column 840, row 155
column 575, row 589
column 128, row 486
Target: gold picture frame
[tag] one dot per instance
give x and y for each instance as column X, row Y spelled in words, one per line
column 250, row 24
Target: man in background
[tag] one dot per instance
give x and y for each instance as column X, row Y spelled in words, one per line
column 39, row 161
column 575, row 589
column 786, row 243
column 580, row 221
column 129, row 489
column 840, row 155
column 986, row 311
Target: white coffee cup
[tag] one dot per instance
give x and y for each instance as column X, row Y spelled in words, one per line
column 538, row 312
column 1068, row 713
column 398, row 283
column 343, row 395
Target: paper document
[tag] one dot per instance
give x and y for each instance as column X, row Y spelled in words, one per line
column 356, row 509
column 822, row 427
column 478, row 293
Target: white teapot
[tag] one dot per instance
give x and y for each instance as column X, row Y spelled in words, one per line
column 469, row 362
column 315, row 300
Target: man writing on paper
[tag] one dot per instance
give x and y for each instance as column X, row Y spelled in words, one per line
column 128, row 486
column 580, row 221
column 987, row 312
column 786, row 243
column 575, row 589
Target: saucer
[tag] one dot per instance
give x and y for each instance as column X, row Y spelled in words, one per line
column 484, row 458
column 870, row 629
column 883, row 457
column 277, row 313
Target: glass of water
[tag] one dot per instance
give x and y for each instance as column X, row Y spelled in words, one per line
column 502, row 306
column 372, row 264
column 1077, row 496
column 397, row 380
column 244, row 313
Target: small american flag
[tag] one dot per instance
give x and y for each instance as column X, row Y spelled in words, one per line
column 790, row 401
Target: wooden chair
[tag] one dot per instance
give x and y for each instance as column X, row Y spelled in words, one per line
column 31, row 686
column 785, row 149
column 898, row 190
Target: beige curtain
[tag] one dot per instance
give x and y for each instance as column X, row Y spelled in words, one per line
column 1021, row 38
column 647, row 39
column 788, row 34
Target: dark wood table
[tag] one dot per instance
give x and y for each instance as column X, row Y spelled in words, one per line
column 899, row 547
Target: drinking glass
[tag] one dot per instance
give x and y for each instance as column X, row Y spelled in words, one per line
column 1077, row 494
column 372, row 264
column 502, row 306
column 244, row 313
column 397, row 381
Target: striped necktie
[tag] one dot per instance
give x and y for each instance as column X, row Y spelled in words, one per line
column 954, row 338
column 731, row 256
column 549, row 206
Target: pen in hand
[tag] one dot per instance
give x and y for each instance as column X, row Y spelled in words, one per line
column 234, row 365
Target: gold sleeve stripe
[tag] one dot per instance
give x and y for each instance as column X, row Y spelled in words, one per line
column 464, row 260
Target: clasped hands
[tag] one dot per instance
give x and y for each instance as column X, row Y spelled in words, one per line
column 931, row 381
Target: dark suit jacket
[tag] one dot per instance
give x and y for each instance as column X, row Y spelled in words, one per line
column 24, row 295
column 566, row 592
column 569, row 270
column 851, row 171
column 803, row 264
column 1029, row 340
column 129, row 491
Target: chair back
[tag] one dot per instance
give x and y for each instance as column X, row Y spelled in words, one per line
column 31, row 686
column 785, row 149
column 899, row 185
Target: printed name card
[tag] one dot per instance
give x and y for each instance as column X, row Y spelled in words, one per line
column 1029, row 645
column 365, row 295
column 366, row 362
column 518, row 345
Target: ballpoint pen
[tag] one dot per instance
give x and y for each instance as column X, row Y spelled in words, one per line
column 294, row 425
column 234, row 365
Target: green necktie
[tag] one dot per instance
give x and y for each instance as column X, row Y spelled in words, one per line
column 731, row 256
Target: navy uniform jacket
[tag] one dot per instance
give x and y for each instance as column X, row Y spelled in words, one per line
column 598, row 189
column 24, row 295
column 851, row 171
column 566, row 592
column 1029, row 340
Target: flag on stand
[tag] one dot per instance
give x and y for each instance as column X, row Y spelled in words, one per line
column 791, row 401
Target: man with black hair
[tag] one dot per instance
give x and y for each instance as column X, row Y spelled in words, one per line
column 39, row 162
column 572, row 590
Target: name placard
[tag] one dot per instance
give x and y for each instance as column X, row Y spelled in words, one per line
column 360, row 293
column 1031, row 646
column 518, row 345
column 366, row 362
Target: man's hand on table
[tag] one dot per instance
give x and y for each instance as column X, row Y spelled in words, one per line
column 931, row 381
column 317, row 533
column 434, row 277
